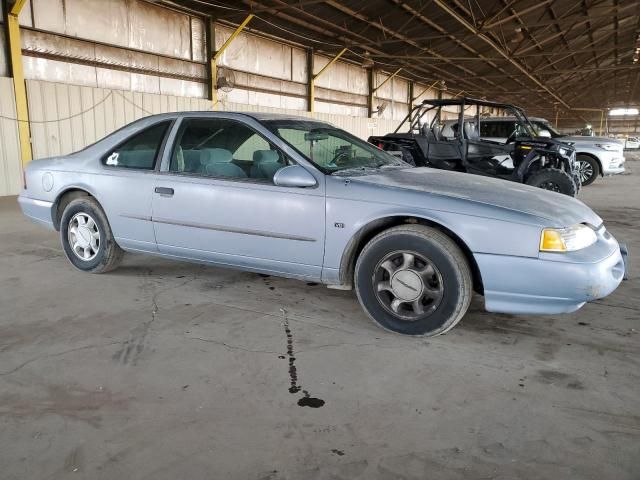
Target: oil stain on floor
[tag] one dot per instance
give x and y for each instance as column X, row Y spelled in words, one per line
column 307, row 400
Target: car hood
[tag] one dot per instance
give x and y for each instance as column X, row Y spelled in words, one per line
column 557, row 209
column 584, row 139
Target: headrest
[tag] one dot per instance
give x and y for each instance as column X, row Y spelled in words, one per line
column 215, row 155
column 470, row 129
column 260, row 156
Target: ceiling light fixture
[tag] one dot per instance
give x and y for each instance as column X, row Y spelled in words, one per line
column 616, row 112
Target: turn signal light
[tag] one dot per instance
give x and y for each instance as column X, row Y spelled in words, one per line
column 551, row 241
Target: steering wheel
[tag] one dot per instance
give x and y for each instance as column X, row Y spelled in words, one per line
column 339, row 160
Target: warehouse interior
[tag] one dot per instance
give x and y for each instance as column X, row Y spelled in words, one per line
column 165, row 369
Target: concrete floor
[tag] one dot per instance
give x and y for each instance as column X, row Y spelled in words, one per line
column 166, row 370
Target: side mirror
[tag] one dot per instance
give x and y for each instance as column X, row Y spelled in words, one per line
column 544, row 133
column 294, row 176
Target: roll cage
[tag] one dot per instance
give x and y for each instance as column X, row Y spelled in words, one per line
column 417, row 126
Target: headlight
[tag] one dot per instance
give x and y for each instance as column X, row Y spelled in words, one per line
column 567, row 239
column 564, row 152
column 608, row 146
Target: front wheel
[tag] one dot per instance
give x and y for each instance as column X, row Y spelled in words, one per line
column 413, row 280
column 588, row 169
column 555, row 180
column 87, row 238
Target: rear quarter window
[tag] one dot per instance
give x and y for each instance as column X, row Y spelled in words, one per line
column 139, row 151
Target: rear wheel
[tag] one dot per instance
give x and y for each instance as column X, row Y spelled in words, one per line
column 554, row 180
column 87, row 238
column 588, row 169
column 413, row 280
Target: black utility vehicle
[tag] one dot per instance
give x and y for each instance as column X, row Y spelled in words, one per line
column 435, row 139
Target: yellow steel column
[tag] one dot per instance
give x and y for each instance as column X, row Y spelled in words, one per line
column 214, row 65
column 386, row 80
column 312, row 78
column 601, row 120
column 15, row 57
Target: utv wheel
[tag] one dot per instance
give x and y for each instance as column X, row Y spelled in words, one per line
column 87, row 238
column 413, row 280
column 588, row 169
column 555, row 180
column 577, row 181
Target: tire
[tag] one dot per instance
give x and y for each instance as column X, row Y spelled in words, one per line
column 86, row 237
column 577, row 181
column 436, row 273
column 588, row 169
column 555, row 180
column 407, row 156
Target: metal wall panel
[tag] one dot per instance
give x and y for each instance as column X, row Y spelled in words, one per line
column 341, row 76
column 49, row 15
column 253, row 54
column 65, row 118
column 361, row 127
column 10, row 169
column 126, row 23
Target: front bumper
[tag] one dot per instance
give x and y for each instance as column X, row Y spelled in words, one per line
column 612, row 163
column 522, row 285
column 37, row 210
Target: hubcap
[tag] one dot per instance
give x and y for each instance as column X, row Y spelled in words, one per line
column 585, row 170
column 408, row 285
column 84, row 236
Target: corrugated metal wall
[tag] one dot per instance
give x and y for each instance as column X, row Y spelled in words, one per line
column 10, row 171
column 90, row 74
column 360, row 127
column 66, row 118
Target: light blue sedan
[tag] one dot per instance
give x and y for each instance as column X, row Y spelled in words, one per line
column 299, row 198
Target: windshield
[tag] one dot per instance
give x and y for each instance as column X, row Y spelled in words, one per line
column 540, row 125
column 331, row 149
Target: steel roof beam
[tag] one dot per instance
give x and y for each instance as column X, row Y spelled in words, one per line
column 499, row 49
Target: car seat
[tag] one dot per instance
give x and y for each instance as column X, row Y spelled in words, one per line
column 217, row 162
column 437, row 132
column 471, row 131
column 265, row 164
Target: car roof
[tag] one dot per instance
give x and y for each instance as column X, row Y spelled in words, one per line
column 260, row 116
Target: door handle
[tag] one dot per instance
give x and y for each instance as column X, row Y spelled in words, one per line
column 164, row 191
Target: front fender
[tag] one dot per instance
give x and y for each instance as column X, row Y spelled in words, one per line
column 347, row 226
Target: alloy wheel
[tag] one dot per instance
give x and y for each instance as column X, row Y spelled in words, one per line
column 408, row 285
column 84, row 236
column 585, row 170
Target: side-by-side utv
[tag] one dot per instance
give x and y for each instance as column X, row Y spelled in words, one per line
column 450, row 134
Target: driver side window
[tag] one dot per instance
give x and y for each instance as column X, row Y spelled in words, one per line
column 222, row 148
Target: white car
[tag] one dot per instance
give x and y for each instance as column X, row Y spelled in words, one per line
column 632, row 143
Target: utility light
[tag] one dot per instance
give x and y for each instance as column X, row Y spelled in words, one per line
column 623, row 111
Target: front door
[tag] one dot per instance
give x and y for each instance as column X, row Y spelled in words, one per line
column 217, row 202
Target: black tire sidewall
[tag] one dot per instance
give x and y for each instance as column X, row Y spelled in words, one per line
column 562, row 179
column 437, row 255
column 106, row 240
